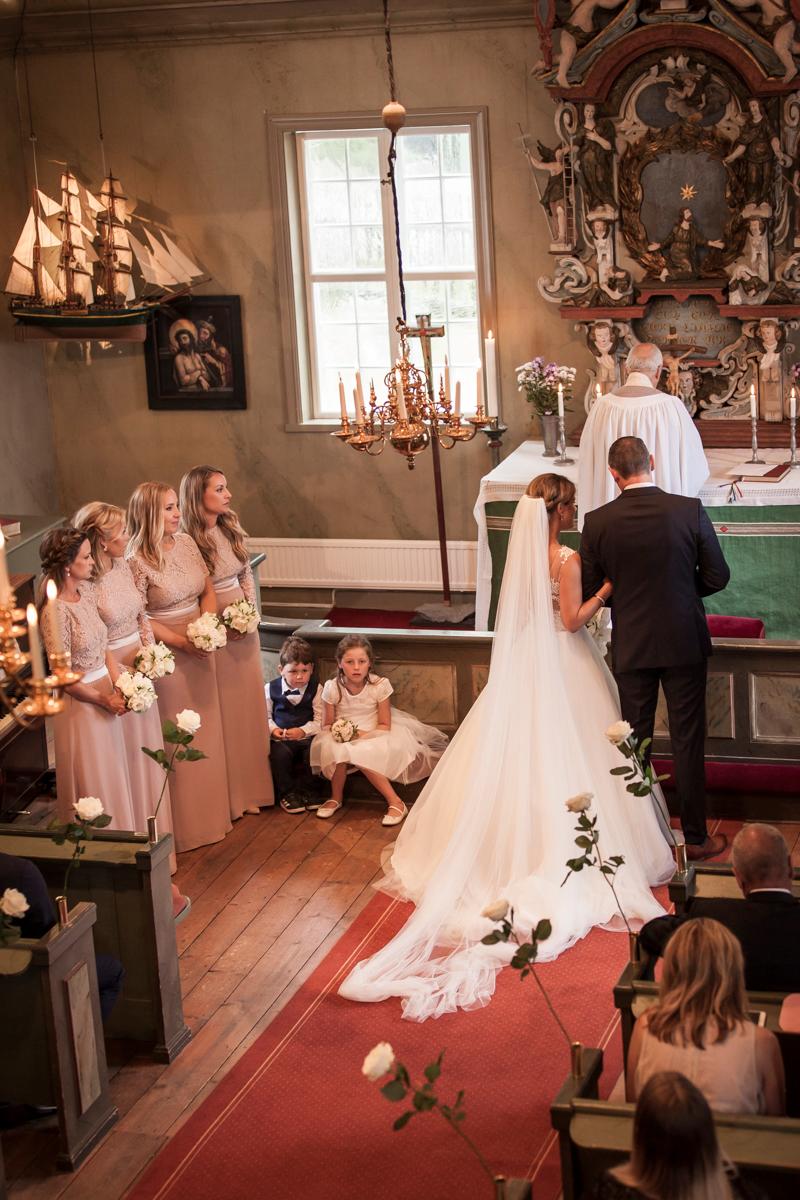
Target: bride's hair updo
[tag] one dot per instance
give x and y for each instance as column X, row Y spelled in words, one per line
column 59, row 548
column 553, row 489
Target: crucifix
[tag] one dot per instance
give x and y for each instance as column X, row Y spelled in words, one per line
column 425, row 331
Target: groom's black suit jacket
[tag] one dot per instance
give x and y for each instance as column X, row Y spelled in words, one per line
column 661, row 554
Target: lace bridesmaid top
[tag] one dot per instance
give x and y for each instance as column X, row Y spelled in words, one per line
column 564, row 553
column 83, row 631
column 179, row 583
column 120, row 605
column 229, row 567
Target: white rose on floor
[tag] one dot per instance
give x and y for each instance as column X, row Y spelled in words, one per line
column 207, row 632
column 619, row 732
column 496, row 911
column 580, row 803
column 88, row 808
column 344, row 730
column 188, row 721
column 378, row 1062
column 13, row 903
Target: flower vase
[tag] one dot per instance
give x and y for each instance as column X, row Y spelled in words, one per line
column 549, row 434
column 62, row 908
column 633, row 947
column 511, row 1189
column 152, row 829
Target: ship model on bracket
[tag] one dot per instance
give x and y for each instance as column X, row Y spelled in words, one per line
column 79, row 271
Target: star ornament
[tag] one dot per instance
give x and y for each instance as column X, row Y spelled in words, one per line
column 688, row 191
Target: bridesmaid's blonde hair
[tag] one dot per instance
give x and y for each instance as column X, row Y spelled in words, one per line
column 702, row 985
column 98, row 521
column 553, row 489
column 146, row 523
column 193, row 521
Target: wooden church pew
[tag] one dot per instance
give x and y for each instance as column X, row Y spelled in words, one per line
column 51, row 1036
column 128, row 879
column 709, row 880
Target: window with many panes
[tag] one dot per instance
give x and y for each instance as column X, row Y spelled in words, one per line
column 344, row 260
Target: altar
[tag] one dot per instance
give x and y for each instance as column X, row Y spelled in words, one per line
column 758, row 526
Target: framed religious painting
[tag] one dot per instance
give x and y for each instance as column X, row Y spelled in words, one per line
column 194, row 356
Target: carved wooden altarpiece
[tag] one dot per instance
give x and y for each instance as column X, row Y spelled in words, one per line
column 672, row 193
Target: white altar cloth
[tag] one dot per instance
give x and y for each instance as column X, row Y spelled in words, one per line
column 509, row 480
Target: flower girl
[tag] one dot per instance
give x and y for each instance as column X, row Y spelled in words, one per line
column 361, row 731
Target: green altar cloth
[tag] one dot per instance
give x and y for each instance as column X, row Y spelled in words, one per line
column 761, row 544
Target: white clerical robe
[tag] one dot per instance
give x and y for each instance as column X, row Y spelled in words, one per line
column 664, row 425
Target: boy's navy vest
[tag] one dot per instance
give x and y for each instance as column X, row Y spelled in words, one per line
column 291, row 716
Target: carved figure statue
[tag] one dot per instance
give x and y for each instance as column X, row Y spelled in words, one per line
column 693, row 94
column 680, row 248
column 603, row 240
column 595, row 142
column 603, row 341
column 760, row 148
column 769, row 338
column 578, row 31
column 749, row 274
column 777, row 24
column 554, row 199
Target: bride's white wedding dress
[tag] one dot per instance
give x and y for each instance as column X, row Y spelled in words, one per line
column 491, row 822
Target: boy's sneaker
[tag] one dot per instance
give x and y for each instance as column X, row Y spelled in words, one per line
column 294, row 803
column 314, row 800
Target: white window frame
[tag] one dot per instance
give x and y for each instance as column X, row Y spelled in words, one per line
column 296, row 301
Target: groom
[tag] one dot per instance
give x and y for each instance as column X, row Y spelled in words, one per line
column 661, row 554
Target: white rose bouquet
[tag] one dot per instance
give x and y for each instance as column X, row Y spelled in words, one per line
column 599, row 627
column 207, row 632
column 344, row 730
column 241, row 616
column 139, row 693
column 155, row 661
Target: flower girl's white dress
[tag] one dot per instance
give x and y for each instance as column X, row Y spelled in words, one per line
column 491, row 822
column 406, row 753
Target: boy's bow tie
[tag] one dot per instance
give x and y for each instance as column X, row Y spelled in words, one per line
column 293, row 692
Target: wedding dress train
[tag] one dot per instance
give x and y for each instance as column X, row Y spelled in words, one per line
column 491, row 822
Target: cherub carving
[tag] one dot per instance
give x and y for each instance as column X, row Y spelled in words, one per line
column 578, row 31
column 776, row 24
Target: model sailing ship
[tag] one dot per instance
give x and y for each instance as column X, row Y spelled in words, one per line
column 79, row 271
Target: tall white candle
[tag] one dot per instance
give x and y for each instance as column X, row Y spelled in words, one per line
column 793, row 404
column 447, row 379
column 35, row 646
column 457, row 409
column 479, row 383
column 5, row 582
column 598, row 391
column 402, row 412
column 490, row 359
column 561, row 401
column 753, row 409
column 360, row 392
column 51, row 616
column 342, row 401
column 358, row 399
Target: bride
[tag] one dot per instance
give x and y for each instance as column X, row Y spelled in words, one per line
column 491, row 822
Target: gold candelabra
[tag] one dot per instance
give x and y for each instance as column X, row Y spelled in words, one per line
column 413, row 413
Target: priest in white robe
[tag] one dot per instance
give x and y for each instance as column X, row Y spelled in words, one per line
column 638, row 409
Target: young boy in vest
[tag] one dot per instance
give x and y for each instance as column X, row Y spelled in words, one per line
column 294, row 711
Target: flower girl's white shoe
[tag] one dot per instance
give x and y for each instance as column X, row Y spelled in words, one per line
column 394, row 815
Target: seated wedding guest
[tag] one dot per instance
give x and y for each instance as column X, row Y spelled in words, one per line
column 175, row 585
column 388, row 746
column 294, row 712
column 638, row 409
column 766, row 921
column 700, row 1027
column 89, row 745
column 207, row 517
column 676, row 1155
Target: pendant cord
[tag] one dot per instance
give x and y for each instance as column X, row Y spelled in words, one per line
column 96, row 89
column 387, row 33
column 20, row 48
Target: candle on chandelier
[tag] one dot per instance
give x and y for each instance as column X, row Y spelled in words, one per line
column 34, row 645
column 457, row 409
column 402, row 413
column 561, row 402
column 598, row 391
column 490, row 358
column 359, row 394
column 793, row 404
column 51, row 616
column 5, row 582
column 479, row 382
column 447, row 379
column 753, row 409
column 342, row 401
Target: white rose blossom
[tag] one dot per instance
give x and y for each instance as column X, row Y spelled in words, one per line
column 188, row 721
column 580, row 803
column 88, row 808
column 155, row 661
column 344, row 730
column 496, row 911
column 13, row 903
column 207, row 632
column 378, row 1062
column 241, row 616
column 139, row 693
column 619, row 732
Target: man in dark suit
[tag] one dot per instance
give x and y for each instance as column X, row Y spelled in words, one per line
column 766, row 921
column 662, row 555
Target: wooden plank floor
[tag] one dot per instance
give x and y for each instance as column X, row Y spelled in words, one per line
column 268, row 903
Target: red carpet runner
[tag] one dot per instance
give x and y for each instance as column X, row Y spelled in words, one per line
column 295, row 1117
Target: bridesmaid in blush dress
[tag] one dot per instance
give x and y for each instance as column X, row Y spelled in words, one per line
column 89, row 746
column 207, row 516
column 175, row 586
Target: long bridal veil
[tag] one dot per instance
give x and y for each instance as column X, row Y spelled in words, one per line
column 491, row 822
